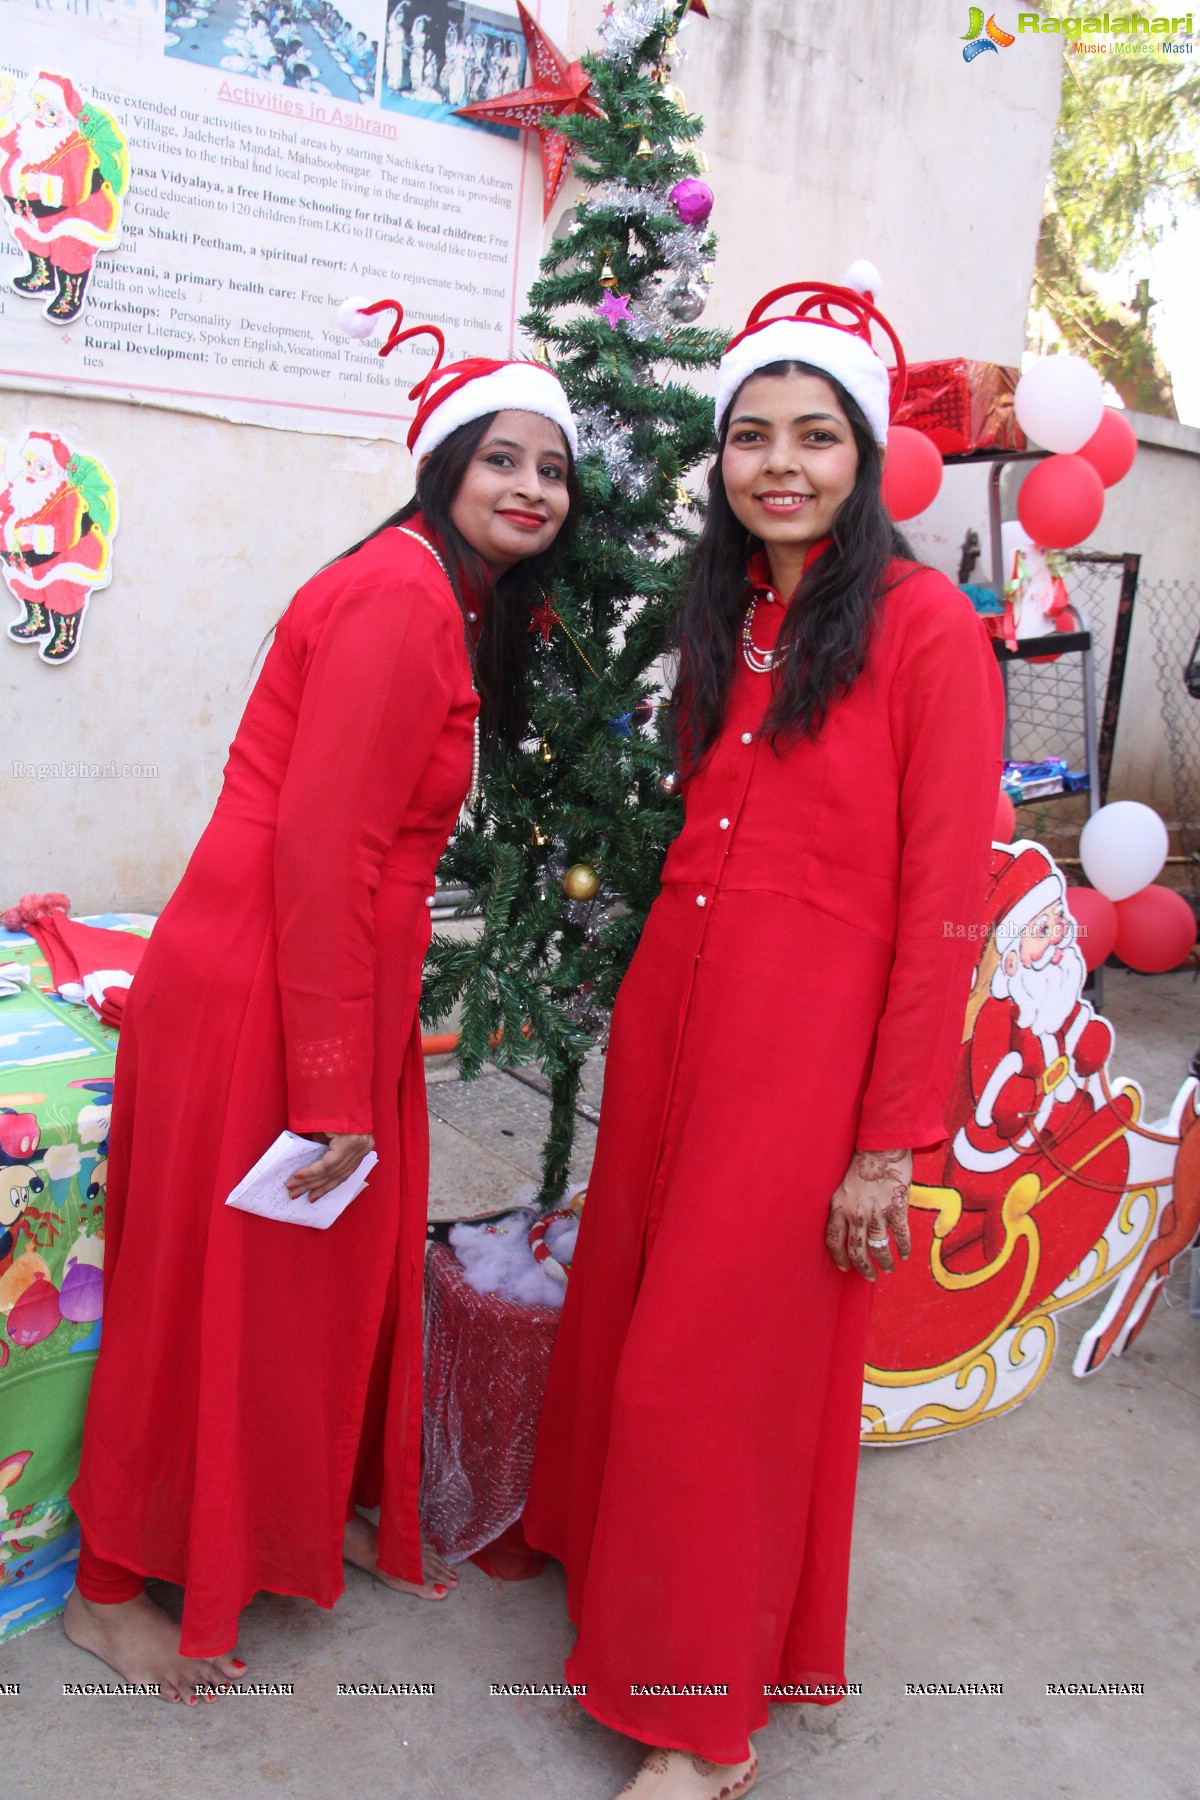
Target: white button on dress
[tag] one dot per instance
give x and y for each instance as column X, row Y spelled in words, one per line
column 700, row 900
column 724, row 825
column 747, row 737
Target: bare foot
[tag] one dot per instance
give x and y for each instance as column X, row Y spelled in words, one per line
column 358, row 1547
column 675, row 1775
column 139, row 1641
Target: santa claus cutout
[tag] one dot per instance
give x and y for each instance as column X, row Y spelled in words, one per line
column 1032, row 1106
column 64, row 170
column 58, row 513
column 1006, row 1214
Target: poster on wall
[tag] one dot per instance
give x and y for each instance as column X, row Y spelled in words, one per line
column 189, row 191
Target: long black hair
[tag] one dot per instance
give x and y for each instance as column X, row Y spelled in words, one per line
column 824, row 638
column 501, row 658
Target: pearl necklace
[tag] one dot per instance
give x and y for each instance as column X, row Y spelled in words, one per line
column 475, row 791
column 759, row 662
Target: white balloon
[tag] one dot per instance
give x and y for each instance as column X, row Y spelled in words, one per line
column 1059, row 402
column 351, row 318
column 1122, row 848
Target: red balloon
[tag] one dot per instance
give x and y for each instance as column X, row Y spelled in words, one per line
column 1155, row 929
column 1004, row 830
column 912, row 472
column 1095, row 917
column 1111, row 447
column 1061, row 501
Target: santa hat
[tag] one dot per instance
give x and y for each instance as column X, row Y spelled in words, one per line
column 452, row 394
column 830, row 329
column 1024, row 885
column 68, row 94
column 58, row 450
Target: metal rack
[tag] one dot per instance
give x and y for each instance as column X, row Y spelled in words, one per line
column 1060, row 643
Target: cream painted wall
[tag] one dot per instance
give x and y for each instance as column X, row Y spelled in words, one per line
column 834, row 131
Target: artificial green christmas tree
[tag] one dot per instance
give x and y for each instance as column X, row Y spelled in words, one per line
column 563, row 851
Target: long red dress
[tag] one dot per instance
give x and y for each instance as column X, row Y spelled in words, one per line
column 254, row 1376
column 798, row 992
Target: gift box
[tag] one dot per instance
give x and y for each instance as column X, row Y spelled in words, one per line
column 962, row 405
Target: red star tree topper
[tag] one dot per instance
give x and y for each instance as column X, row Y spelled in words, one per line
column 559, row 89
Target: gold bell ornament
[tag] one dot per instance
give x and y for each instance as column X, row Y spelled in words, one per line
column 607, row 276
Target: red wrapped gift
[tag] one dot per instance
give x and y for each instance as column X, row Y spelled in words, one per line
column 962, row 405
column 486, row 1361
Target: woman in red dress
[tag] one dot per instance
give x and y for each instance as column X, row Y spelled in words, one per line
column 257, row 1382
column 784, row 1040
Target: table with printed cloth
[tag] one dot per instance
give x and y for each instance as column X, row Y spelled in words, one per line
column 56, row 1070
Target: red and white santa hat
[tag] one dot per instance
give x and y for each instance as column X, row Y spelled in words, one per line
column 830, row 329
column 44, row 441
column 66, row 93
column 1024, row 885
column 453, row 394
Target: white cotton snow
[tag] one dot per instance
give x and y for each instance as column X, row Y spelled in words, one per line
column 497, row 1259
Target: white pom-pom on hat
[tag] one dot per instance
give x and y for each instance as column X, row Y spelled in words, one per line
column 352, row 320
column 863, row 277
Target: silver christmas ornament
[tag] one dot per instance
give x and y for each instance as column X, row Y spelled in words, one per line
column 684, row 300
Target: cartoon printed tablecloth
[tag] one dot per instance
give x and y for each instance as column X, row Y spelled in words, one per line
column 56, row 1067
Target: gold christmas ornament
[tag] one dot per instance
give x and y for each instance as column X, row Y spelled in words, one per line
column 607, row 277
column 539, row 840
column 682, row 497
column 581, row 882
column 667, row 783
column 547, row 754
column 643, row 148
column 542, row 353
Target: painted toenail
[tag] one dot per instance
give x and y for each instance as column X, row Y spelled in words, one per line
column 239, row 1666
column 440, row 1588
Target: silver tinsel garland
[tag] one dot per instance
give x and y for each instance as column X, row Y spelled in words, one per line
column 626, row 28
column 602, row 434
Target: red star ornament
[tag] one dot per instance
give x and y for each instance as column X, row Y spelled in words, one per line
column 559, row 89
column 543, row 619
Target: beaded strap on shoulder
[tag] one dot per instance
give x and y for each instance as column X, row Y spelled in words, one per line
column 425, row 545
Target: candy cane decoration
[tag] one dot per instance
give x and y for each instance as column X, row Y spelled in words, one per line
column 540, row 1248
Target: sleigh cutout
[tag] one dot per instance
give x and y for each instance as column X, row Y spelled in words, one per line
column 1051, row 1189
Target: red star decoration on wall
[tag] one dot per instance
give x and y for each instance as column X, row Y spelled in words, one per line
column 559, row 89
column 543, row 618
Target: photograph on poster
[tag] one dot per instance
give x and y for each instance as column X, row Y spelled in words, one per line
column 442, row 54
column 124, row 22
column 312, row 45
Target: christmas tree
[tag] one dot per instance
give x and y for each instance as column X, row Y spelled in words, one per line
column 563, row 852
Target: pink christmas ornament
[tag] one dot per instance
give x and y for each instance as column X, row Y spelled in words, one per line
column 692, row 200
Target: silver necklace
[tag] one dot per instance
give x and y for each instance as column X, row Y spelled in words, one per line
column 759, row 662
column 474, row 792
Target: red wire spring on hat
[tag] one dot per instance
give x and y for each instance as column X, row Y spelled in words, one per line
column 823, row 298
column 397, row 336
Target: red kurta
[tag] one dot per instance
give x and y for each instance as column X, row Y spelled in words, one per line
column 795, row 994
column 247, row 1367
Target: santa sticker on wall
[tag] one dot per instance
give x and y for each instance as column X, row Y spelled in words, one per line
column 58, row 513
column 64, row 171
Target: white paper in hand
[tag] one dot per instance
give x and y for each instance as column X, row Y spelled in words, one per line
column 263, row 1190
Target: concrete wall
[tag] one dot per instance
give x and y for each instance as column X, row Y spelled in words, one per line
column 833, row 132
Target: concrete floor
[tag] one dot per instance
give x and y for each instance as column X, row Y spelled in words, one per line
column 1055, row 1544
